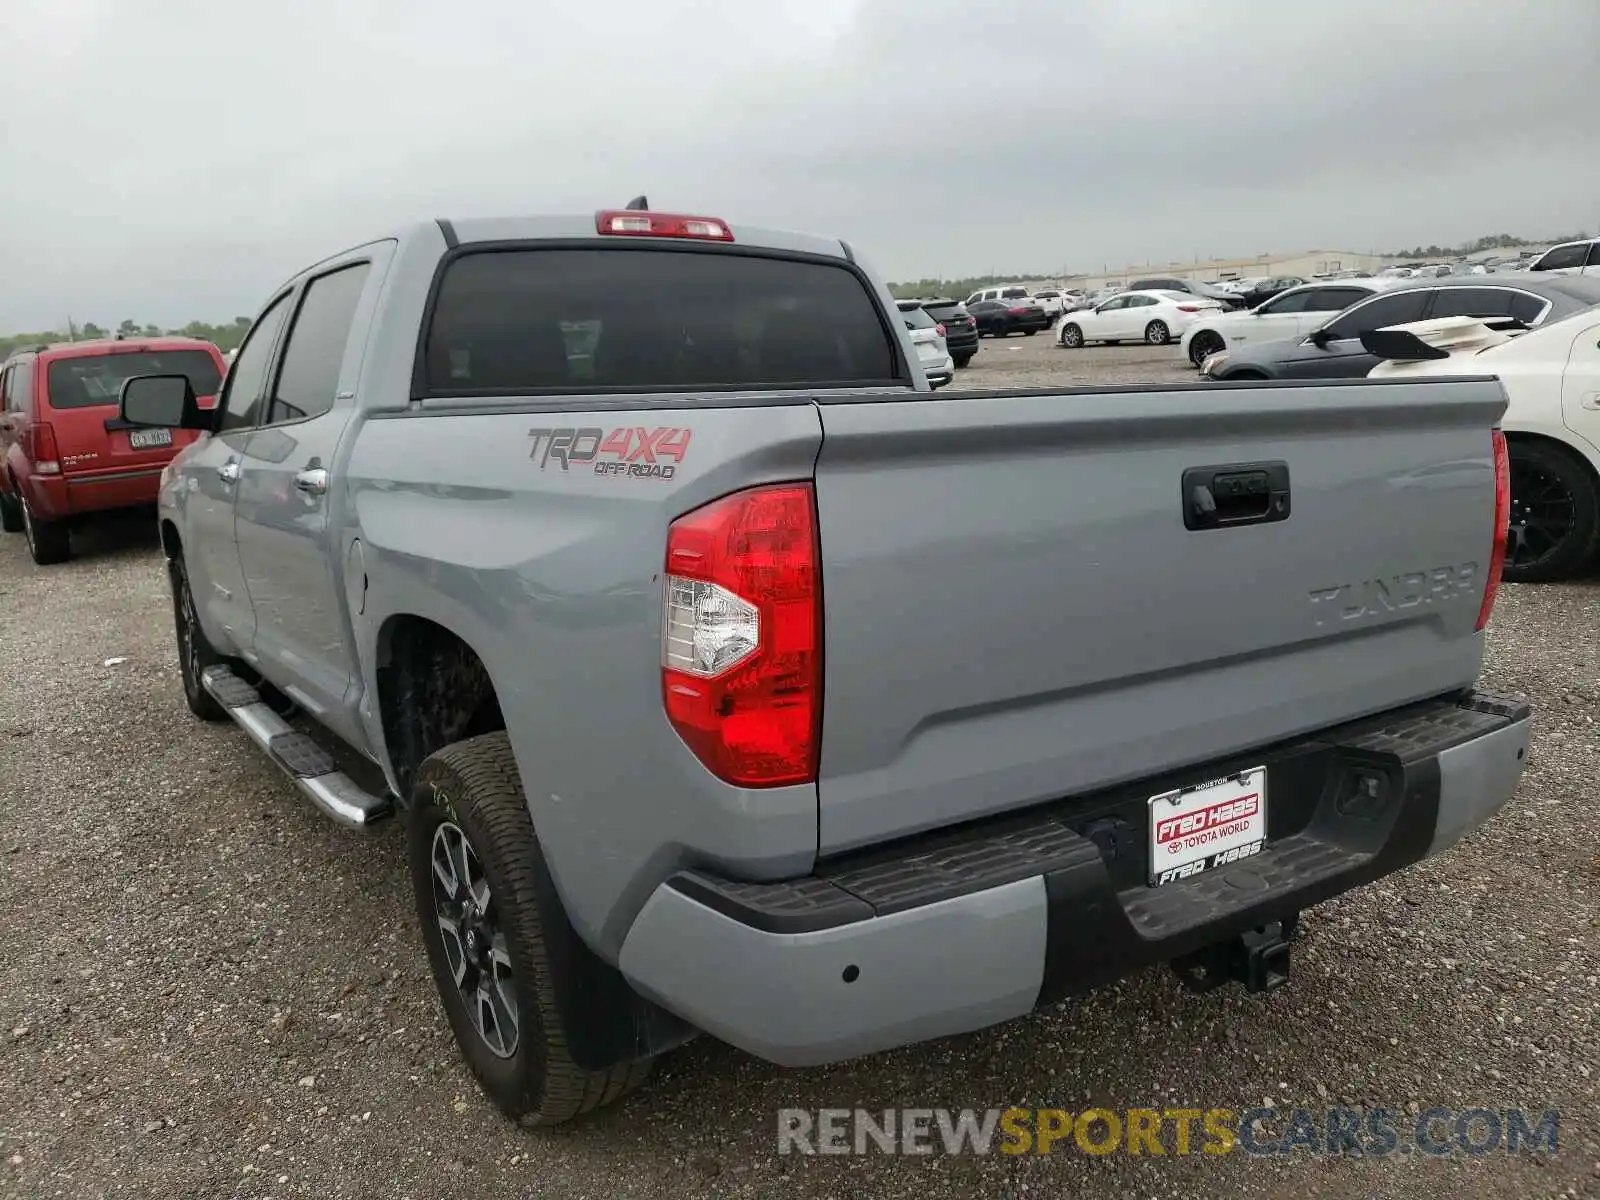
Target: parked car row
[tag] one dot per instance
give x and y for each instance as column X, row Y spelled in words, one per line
column 69, row 456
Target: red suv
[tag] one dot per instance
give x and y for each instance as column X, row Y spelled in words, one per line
column 70, row 454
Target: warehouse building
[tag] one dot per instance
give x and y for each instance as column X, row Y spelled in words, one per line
column 1305, row 265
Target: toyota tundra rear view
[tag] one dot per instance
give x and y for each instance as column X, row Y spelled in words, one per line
column 730, row 680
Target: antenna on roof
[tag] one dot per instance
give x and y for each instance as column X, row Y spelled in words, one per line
column 638, row 204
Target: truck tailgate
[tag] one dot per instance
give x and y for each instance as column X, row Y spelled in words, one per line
column 1017, row 611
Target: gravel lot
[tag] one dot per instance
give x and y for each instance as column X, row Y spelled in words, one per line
column 208, row 990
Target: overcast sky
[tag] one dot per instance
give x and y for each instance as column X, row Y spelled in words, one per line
column 169, row 160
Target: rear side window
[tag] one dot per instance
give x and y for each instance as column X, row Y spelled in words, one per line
column 658, row 320
column 87, row 381
column 917, row 318
column 1472, row 302
column 309, row 376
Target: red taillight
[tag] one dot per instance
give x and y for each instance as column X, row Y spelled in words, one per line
column 633, row 223
column 1190, row 308
column 1502, row 522
column 46, row 458
column 741, row 639
column 939, row 329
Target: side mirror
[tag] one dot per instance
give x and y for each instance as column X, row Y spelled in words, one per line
column 163, row 402
column 1320, row 338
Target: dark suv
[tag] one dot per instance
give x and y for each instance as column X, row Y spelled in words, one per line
column 960, row 330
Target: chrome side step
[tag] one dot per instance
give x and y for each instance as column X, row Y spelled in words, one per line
column 297, row 755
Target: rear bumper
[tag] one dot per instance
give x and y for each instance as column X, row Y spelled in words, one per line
column 962, row 345
column 959, row 930
column 107, row 490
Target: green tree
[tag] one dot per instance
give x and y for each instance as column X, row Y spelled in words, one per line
column 128, row 327
column 91, row 330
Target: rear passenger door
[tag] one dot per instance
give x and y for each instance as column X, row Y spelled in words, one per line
column 290, row 544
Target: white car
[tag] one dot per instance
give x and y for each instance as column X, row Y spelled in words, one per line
column 1290, row 314
column 927, row 336
column 1570, row 258
column 1551, row 375
column 1152, row 317
column 1050, row 301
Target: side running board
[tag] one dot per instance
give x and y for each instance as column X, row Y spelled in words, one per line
column 312, row 768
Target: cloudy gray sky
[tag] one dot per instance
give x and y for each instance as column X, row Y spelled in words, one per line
column 169, row 160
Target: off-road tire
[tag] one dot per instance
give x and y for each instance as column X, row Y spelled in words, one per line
column 475, row 786
column 195, row 653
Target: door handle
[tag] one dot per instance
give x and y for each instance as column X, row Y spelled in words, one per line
column 1234, row 494
column 228, row 472
column 313, row 480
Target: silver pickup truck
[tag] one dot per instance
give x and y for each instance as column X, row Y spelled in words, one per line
column 730, row 680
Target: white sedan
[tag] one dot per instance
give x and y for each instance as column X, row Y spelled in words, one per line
column 1289, row 314
column 1156, row 318
column 1551, row 375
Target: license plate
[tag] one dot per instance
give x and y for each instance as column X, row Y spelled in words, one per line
column 1209, row 825
column 145, row 439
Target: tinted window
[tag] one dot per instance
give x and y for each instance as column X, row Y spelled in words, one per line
column 1594, row 254
column 1526, row 308
column 308, row 378
column 917, row 318
column 602, row 320
column 89, row 381
column 1563, row 256
column 1335, row 299
column 247, row 377
column 1394, row 309
column 1472, row 302
column 1014, row 293
column 1298, row 302
column 942, row 312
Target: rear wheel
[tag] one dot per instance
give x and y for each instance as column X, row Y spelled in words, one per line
column 1157, row 334
column 1204, row 344
column 473, row 855
column 48, row 542
column 10, row 513
column 1555, row 514
column 1029, row 332
column 195, row 653
column 1071, row 337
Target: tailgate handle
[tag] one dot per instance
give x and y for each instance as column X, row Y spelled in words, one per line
column 1232, row 494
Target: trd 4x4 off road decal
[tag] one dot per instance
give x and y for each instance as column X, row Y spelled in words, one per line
column 630, row 450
